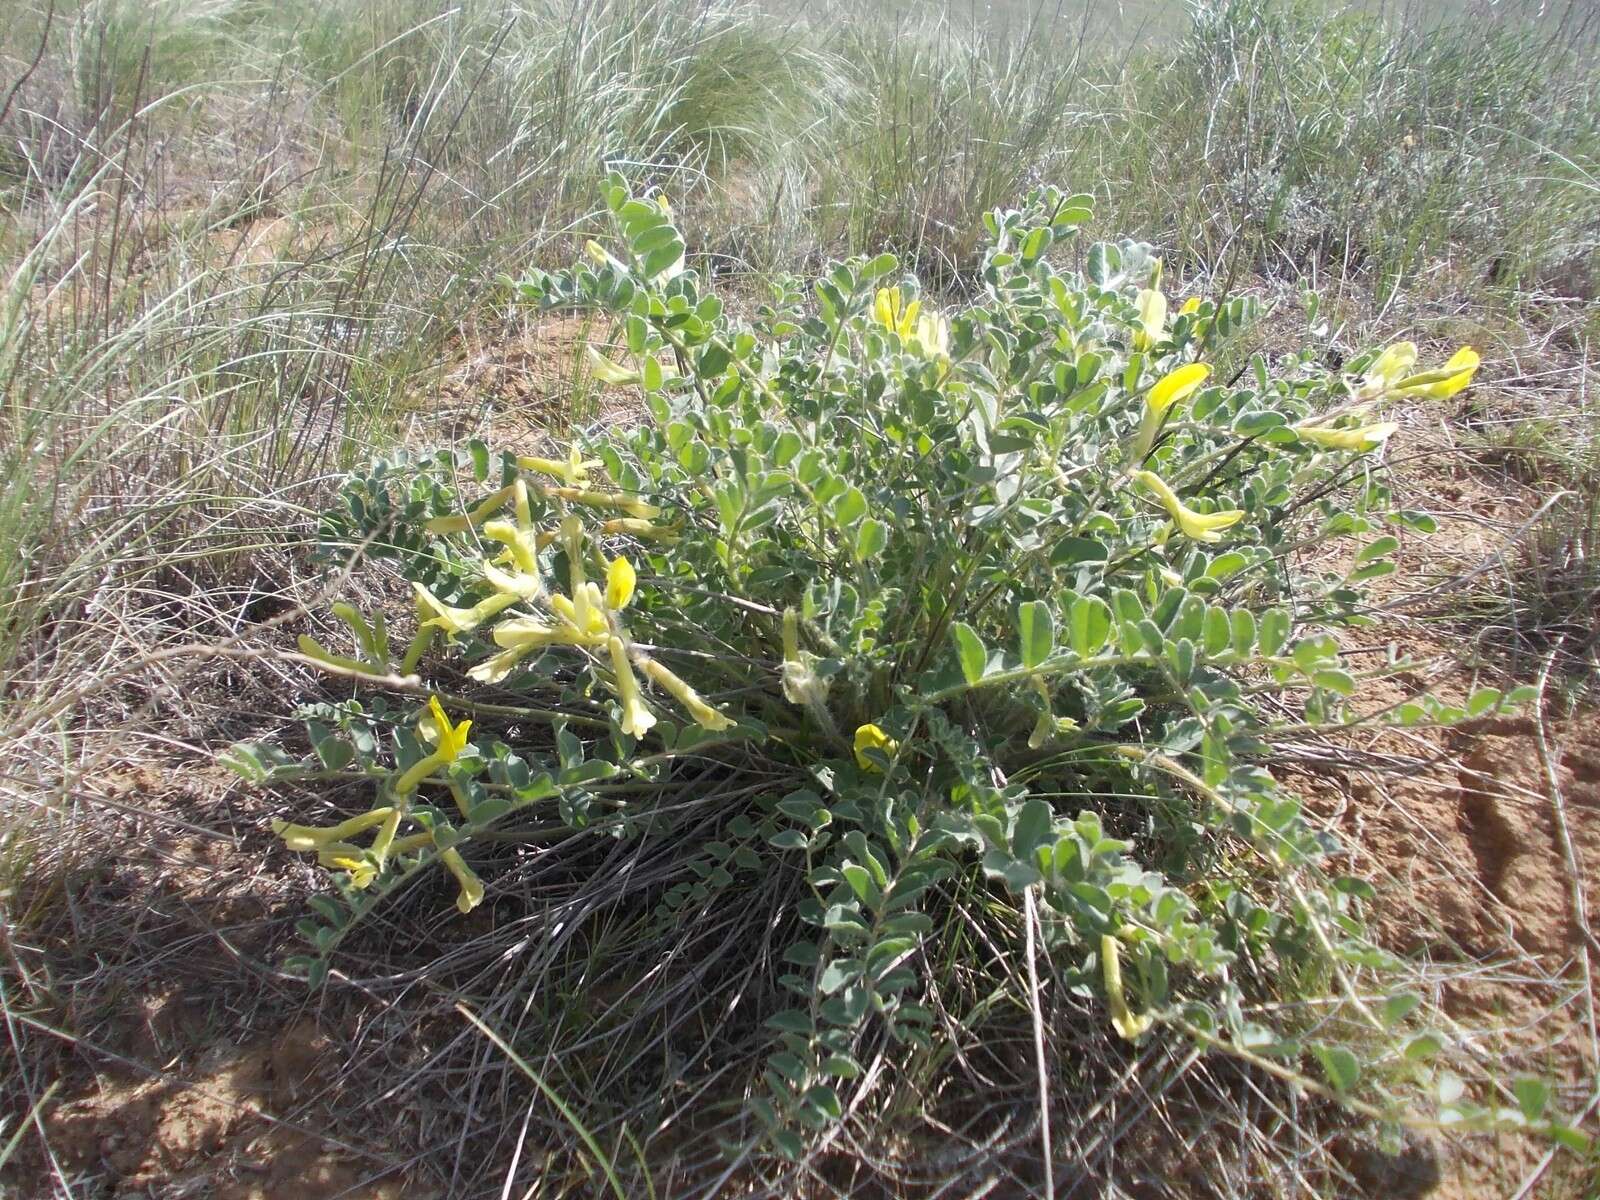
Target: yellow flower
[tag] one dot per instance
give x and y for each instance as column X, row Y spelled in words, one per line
column 606, row 371
column 870, row 737
column 1170, row 390
column 639, row 528
column 1394, row 363
column 1129, row 1026
column 620, row 580
column 1152, row 306
column 933, row 335
column 594, row 625
column 460, row 522
column 1191, row 305
column 1202, row 527
column 574, row 471
column 1456, row 374
column 1367, row 437
column 341, row 856
column 304, row 838
column 636, row 717
column 703, row 714
column 449, row 741
column 632, row 505
column 523, row 587
column 440, row 615
column 893, row 315
column 1176, row 386
column 521, row 544
column 530, row 633
column 471, row 886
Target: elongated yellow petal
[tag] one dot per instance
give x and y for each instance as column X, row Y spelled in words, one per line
column 606, row 371
column 523, row 587
column 530, row 633
column 884, row 306
column 620, row 581
column 310, row 837
column 1395, row 362
column 522, row 544
column 636, row 716
column 1456, row 374
column 471, row 886
column 1122, row 1017
column 704, row 715
column 1176, row 386
column 458, row 620
column 1367, row 437
column 640, row 528
column 497, row 666
column 1202, row 527
column 460, row 522
column 1191, row 305
column 1152, row 305
column 632, row 505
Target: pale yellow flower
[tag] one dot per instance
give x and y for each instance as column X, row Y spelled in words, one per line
column 1166, row 393
column 1152, row 305
column 1202, row 527
column 1361, row 440
column 453, row 621
column 471, row 894
column 636, row 716
column 704, row 715
column 1456, row 374
column 1127, row 1024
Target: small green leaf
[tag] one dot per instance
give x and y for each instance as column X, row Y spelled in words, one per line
column 1090, row 625
column 1340, row 1066
column 1036, row 631
column 1533, row 1096
column 970, row 649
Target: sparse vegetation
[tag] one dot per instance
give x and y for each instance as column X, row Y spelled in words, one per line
column 250, row 250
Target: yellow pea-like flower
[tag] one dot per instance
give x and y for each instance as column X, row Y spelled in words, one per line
column 439, row 615
column 871, row 737
column 895, row 315
column 474, row 516
column 1456, row 374
column 933, row 335
column 1202, row 527
column 573, row 470
column 1395, row 363
column 1360, row 440
column 632, row 505
column 620, row 581
column 1166, row 393
column 471, row 894
column 450, row 741
column 1176, row 386
column 1127, row 1024
column 1152, row 305
column 606, row 371
column 636, row 715
column 639, row 528
column 520, row 585
column 704, row 715
column 306, row 838
column 521, row 544
column 1190, row 306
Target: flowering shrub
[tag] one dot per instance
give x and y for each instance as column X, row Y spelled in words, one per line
column 1006, row 592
